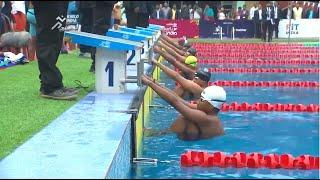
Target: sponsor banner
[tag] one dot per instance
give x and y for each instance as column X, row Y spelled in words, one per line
column 211, row 29
column 301, row 28
column 178, row 28
column 72, row 23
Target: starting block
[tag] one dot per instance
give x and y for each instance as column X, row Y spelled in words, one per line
column 137, row 31
column 156, row 26
column 157, row 31
column 145, row 39
column 111, row 59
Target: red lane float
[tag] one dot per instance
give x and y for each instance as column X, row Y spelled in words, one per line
column 234, row 106
column 267, row 107
column 305, row 84
column 252, row 160
column 265, row 70
column 260, row 62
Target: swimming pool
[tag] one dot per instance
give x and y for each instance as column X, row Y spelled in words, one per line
column 270, row 132
column 263, row 132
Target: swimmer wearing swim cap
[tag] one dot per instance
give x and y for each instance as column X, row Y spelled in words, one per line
column 193, row 123
column 185, row 70
column 187, row 89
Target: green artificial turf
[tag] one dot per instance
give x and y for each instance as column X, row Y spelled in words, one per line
column 23, row 112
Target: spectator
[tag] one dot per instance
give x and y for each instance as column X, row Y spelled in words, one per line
column 174, row 12
column 6, row 10
column 20, row 21
column 157, row 13
column 166, row 11
column 191, row 11
column 138, row 13
column 305, row 8
column 287, row 12
column 18, row 11
column 184, row 14
column 268, row 22
column 208, row 13
column 309, row 12
column 297, row 11
column 257, row 19
column 221, row 15
column 197, row 12
column 252, row 10
column 238, row 14
column 317, row 10
column 244, row 13
column 5, row 23
column 116, row 15
column 277, row 14
column 32, row 30
column 230, row 14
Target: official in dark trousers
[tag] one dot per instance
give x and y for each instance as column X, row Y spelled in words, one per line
column 138, row 13
column 268, row 22
column 101, row 18
column 277, row 16
column 49, row 41
column 257, row 19
column 86, row 21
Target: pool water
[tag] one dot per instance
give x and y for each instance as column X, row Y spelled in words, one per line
column 263, row 132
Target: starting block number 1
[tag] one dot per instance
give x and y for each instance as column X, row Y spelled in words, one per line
column 110, row 67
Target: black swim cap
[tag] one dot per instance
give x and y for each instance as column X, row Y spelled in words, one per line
column 192, row 51
column 187, row 45
column 203, row 75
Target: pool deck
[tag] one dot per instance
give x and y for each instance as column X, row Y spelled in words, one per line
column 81, row 143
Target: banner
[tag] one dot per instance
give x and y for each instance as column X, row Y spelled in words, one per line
column 178, row 28
column 72, row 23
column 301, row 28
column 211, row 29
column 244, row 29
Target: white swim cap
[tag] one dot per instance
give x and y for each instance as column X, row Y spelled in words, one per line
column 215, row 95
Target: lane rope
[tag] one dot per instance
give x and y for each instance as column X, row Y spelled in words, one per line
column 249, row 160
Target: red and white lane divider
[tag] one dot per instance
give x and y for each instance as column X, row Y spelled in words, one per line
column 268, row 107
column 265, row 70
column 304, row 84
column 260, row 62
column 252, row 160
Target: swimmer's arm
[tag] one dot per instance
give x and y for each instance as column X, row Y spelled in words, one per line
column 185, row 83
column 172, row 52
column 194, row 115
column 167, row 45
column 181, row 66
column 171, row 41
column 171, row 73
column 163, row 92
column 178, row 103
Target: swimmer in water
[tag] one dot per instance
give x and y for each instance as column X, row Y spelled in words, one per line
column 193, row 123
column 186, row 69
column 187, row 88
